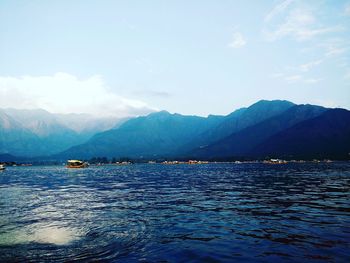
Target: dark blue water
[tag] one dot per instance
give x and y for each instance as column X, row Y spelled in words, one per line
column 176, row 213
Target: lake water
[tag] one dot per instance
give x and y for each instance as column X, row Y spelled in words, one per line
column 176, row 213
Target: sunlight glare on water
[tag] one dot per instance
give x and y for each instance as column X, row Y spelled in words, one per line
column 54, row 235
column 49, row 235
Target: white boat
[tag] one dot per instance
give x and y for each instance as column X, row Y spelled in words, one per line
column 76, row 164
column 2, row 167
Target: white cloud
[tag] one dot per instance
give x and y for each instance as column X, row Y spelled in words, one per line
column 334, row 46
column 299, row 79
column 308, row 66
column 334, row 51
column 293, row 78
column 65, row 93
column 278, row 9
column 277, row 75
column 238, row 41
column 347, row 10
column 347, row 75
column 299, row 24
column 312, row 80
column 153, row 93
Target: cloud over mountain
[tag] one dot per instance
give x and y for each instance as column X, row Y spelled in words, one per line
column 65, row 93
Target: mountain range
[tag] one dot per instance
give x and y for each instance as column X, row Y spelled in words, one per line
column 37, row 132
column 266, row 129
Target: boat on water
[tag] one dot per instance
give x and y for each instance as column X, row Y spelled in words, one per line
column 2, row 167
column 275, row 161
column 123, row 163
column 77, row 164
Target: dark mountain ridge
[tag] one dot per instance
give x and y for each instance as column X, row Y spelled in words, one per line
column 239, row 120
column 176, row 136
column 325, row 136
column 158, row 134
column 241, row 143
column 267, row 128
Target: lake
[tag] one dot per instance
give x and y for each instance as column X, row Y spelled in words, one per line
column 176, row 213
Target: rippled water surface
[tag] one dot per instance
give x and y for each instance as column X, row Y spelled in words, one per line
column 176, row 213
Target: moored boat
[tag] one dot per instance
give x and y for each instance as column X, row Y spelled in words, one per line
column 275, row 161
column 2, row 167
column 123, row 163
column 76, row 164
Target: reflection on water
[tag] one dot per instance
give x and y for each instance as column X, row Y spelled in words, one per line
column 54, row 235
column 215, row 212
column 39, row 234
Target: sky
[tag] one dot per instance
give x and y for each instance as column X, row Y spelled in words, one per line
column 199, row 57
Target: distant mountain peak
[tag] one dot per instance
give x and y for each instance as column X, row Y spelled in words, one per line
column 271, row 102
column 162, row 113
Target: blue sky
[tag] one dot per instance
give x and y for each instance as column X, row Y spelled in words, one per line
column 192, row 57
